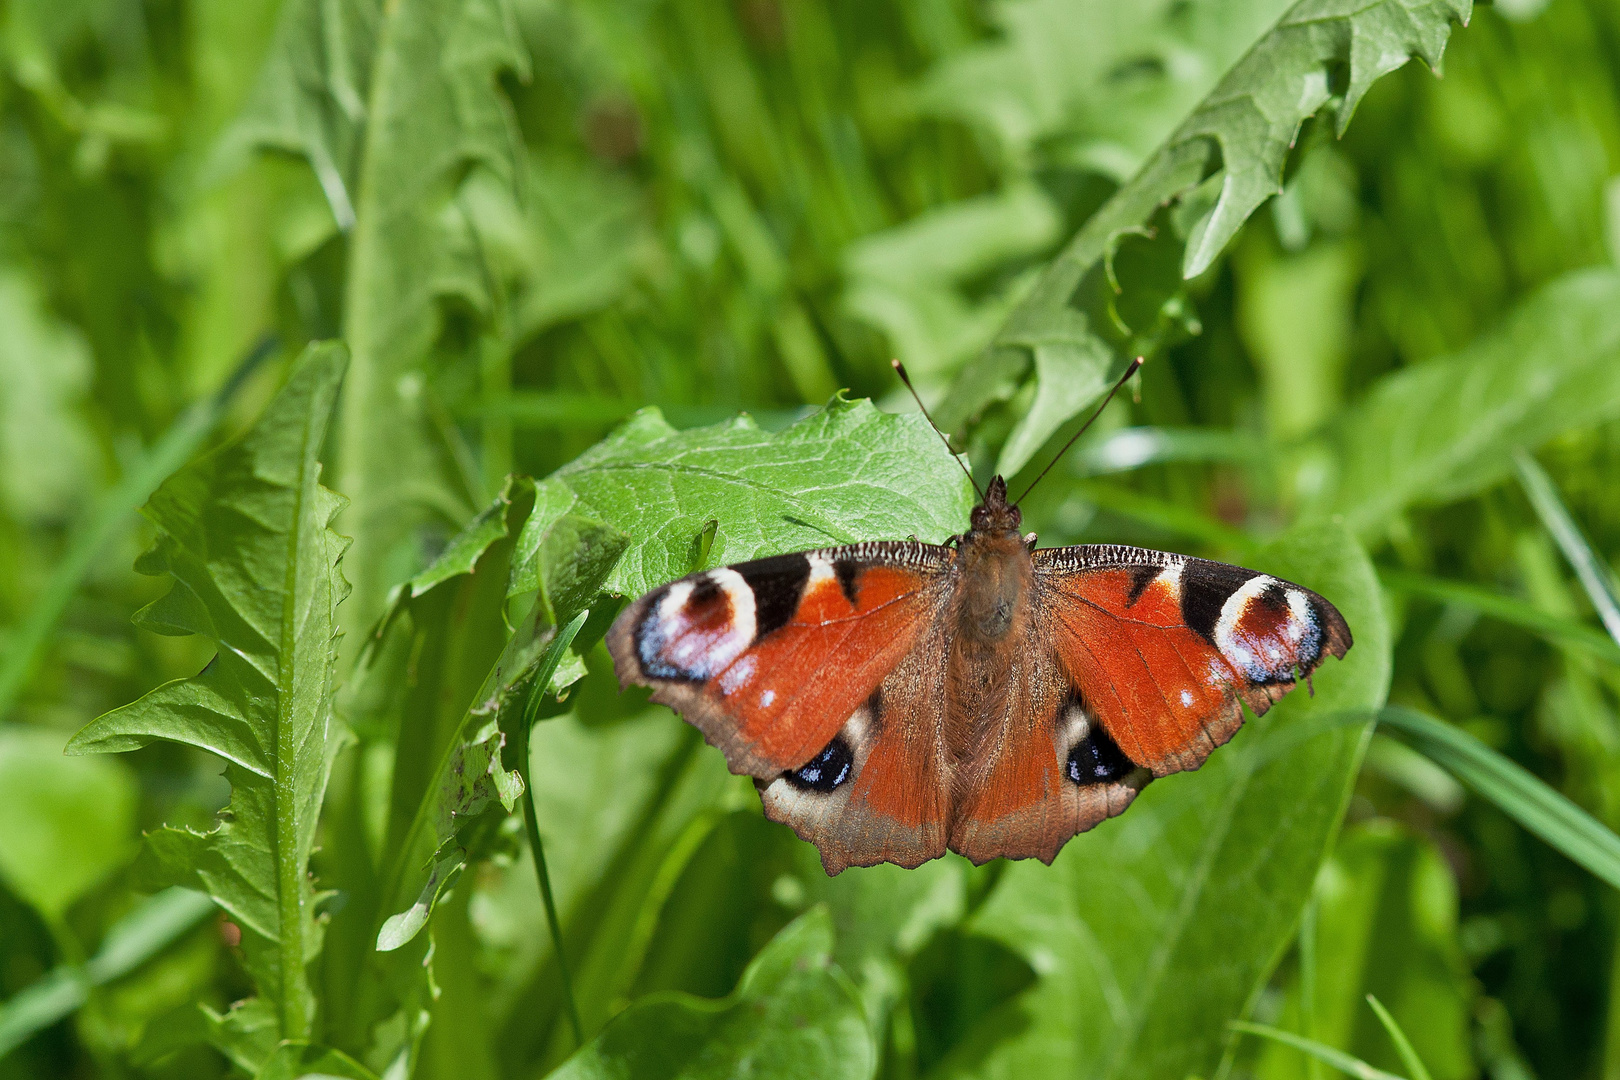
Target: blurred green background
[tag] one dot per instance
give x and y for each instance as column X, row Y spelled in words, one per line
column 716, row 206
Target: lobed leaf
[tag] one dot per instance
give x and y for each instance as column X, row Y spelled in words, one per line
column 1218, row 166
column 245, row 534
column 395, row 107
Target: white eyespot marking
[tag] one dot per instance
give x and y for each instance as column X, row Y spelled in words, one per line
column 1260, row 640
column 766, row 698
column 698, row 628
column 1186, row 699
column 1235, row 644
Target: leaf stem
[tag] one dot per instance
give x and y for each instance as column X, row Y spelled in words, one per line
column 531, row 819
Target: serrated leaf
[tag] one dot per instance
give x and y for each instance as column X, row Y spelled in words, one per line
column 792, row 1015
column 1448, row 428
column 245, row 534
column 310, row 96
column 1224, row 160
column 846, row 473
column 1152, row 931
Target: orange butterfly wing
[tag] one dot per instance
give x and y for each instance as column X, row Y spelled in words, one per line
column 812, row 673
column 1165, row 649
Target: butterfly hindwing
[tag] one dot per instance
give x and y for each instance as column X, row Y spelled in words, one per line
column 1165, row 649
column 879, row 792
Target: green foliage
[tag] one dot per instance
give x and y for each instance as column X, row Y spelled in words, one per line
column 793, row 1014
column 1217, row 167
column 1448, row 429
column 246, row 534
column 719, row 495
column 601, row 267
column 63, row 823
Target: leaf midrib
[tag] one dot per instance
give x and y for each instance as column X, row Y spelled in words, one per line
column 289, row 875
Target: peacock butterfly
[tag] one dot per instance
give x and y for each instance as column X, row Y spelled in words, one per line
column 893, row 700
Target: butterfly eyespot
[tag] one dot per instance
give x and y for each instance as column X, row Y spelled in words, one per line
column 1097, row 759
column 826, row 770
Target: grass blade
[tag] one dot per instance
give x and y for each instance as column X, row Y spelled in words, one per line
column 1518, row 793
column 110, row 514
column 531, row 824
column 152, row 927
column 1506, row 609
column 1403, row 1045
column 1345, row 1063
column 1595, row 575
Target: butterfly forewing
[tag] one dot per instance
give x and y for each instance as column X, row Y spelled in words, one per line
column 1166, row 649
column 770, row 659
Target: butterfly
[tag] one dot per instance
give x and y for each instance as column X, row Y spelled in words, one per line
column 894, row 699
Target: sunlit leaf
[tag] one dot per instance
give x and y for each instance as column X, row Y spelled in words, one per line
column 1220, row 164
column 846, row 473
column 245, row 533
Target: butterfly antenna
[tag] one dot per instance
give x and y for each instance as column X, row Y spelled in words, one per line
column 900, row 370
column 1123, row 379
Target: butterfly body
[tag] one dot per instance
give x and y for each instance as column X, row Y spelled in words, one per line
column 893, row 700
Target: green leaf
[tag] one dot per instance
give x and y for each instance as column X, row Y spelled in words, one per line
column 1448, row 428
column 1092, row 82
column 65, row 825
column 245, row 534
column 1217, row 167
column 792, row 1015
column 624, row 796
column 300, row 1060
column 845, row 473
column 47, row 452
column 434, row 113
column 310, row 96
column 1152, row 931
column 107, row 516
column 1414, row 1064
column 398, row 111
column 1518, row 793
column 459, row 672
